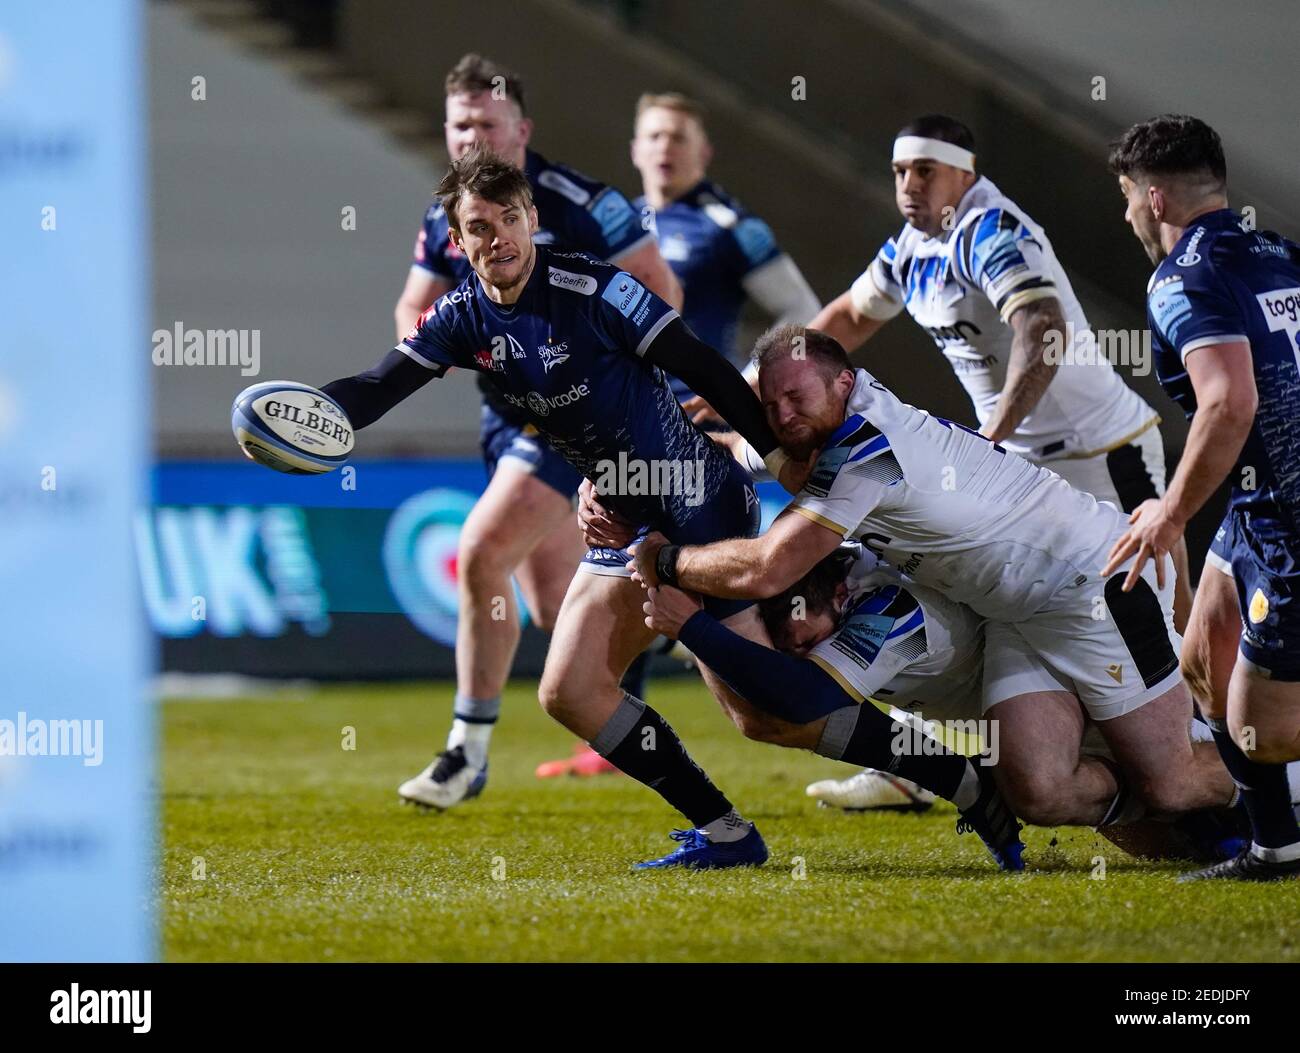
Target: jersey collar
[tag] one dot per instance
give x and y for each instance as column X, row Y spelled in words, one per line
column 977, row 196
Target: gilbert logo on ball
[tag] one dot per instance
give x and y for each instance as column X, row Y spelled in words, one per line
column 291, row 427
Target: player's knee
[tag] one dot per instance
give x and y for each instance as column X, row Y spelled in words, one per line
column 552, row 697
column 1039, row 798
column 1270, row 747
column 1164, row 793
column 479, row 561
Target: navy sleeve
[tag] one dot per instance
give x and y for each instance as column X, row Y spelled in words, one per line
column 369, row 395
column 680, row 352
column 792, row 689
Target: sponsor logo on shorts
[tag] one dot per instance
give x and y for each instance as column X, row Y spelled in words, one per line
column 1116, row 673
column 1258, row 607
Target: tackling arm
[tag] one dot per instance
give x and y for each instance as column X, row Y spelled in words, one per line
column 793, row 689
column 755, row 568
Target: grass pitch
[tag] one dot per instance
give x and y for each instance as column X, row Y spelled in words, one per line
column 280, row 844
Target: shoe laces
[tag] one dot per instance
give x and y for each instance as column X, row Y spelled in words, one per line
column 449, row 762
column 689, row 838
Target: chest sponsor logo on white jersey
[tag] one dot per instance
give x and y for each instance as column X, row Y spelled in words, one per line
column 960, row 332
column 540, row 404
column 580, row 283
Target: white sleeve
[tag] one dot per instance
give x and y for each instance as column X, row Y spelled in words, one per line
column 879, row 638
column 850, row 478
column 751, row 461
column 780, row 289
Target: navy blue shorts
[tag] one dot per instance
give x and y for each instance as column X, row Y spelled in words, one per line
column 734, row 512
column 1261, row 556
column 500, row 438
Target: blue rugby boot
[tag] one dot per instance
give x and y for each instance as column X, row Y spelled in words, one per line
column 993, row 820
column 697, row 852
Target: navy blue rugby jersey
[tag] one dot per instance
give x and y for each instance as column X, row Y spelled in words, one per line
column 568, row 357
column 1224, row 282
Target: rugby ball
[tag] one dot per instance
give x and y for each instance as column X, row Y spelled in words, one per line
column 291, row 427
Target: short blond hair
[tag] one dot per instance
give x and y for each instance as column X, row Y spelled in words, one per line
column 671, row 100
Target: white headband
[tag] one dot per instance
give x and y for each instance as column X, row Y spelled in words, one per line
column 915, row 147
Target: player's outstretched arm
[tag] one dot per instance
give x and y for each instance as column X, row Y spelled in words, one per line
column 369, row 395
column 1030, row 369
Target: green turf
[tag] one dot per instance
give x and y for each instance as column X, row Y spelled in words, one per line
column 306, row 854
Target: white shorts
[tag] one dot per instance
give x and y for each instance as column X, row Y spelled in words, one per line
column 1115, row 651
column 1125, row 476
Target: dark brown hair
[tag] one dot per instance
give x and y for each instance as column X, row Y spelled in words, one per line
column 1172, row 144
column 816, row 589
column 481, row 173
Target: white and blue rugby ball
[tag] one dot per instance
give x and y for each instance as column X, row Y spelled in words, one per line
column 291, row 427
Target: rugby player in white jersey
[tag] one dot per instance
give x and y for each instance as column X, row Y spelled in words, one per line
column 956, row 512
column 853, row 630
column 977, row 274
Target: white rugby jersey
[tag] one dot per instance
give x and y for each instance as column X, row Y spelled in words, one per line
column 953, row 511
column 904, row 644
column 963, row 287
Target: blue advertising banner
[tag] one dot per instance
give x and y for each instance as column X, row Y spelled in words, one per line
column 350, row 575
column 76, row 738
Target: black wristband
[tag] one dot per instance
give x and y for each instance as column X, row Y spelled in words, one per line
column 666, row 564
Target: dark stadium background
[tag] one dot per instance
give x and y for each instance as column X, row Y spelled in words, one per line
column 314, row 107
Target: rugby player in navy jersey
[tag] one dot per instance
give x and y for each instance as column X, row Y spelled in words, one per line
column 579, row 349
column 522, row 524
column 722, row 255
column 1224, row 310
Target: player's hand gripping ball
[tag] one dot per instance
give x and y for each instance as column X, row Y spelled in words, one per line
column 291, row 427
